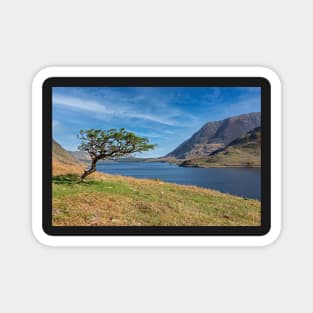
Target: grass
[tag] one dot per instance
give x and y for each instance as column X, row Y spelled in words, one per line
column 111, row 200
column 248, row 156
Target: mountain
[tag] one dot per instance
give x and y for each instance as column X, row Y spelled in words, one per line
column 84, row 157
column 81, row 156
column 216, row 135
column 244, row 151
column 61, row 155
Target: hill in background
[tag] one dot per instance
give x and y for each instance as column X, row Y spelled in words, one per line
column 232, row 142
column 214, row 136
column 81, row 156
column 61, row 155
column 244, row 151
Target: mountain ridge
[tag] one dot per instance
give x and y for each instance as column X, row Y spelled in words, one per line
column 61, row 155
column 216, row 135
column 244, row 151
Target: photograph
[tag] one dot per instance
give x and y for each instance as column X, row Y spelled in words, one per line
column 156, row 156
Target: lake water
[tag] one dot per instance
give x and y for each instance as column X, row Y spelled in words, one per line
column 244, row 182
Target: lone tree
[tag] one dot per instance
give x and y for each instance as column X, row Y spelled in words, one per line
column 110, row 144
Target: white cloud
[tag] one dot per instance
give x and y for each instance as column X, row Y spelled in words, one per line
column 80, row 104
column 147, row 133
column 114, row 110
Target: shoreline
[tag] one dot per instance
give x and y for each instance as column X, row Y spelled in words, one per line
column 179, row 164
column 221, row 166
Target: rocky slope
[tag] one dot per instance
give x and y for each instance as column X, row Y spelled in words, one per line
column 244, row 151
column 214, row 136
column 61, row 155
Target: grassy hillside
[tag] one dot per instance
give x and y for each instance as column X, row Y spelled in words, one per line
column 116, row 200
column 61, row 155
column 242, row 152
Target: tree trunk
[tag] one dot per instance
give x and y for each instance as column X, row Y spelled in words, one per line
column 90, row 170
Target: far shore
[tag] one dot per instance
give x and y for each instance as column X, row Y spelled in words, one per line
column 221, row 166
column 175, row 162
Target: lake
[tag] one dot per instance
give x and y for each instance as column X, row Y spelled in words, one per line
column 244, row 182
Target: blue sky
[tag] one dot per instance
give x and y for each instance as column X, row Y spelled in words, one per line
column 165, row 115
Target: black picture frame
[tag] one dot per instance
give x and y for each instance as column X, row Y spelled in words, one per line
column 261, row 230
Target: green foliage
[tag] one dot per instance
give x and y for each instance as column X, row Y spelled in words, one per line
column 111, row 144
column 65, row 179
